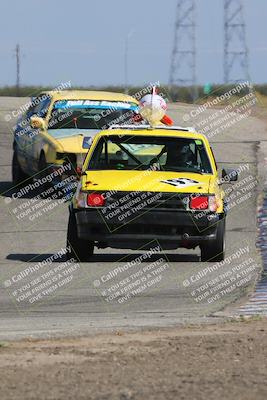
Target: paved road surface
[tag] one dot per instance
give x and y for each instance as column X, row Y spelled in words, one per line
column 78, row 307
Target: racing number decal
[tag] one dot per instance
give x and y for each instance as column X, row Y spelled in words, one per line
column 180, row 182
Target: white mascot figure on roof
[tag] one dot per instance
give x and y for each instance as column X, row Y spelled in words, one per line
column 153, row 109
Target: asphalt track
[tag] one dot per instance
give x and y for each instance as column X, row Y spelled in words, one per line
column 79, row 307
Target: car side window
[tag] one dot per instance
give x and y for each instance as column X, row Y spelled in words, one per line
column 30, row 111
column 214, row 158
column 41, row 107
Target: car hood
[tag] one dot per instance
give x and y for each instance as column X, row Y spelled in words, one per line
column 153, row 181
column 72, row 140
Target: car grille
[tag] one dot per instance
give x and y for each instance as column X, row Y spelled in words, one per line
column 147, row 200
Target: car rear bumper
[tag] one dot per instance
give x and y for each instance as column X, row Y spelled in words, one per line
column 176, row 228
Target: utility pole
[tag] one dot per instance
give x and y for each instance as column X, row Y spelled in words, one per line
column 126, row 65
column 236, row 64
column 126, row 62
column 17, row 51
column 183, row 59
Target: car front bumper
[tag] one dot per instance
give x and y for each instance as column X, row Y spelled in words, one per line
column 173, row 228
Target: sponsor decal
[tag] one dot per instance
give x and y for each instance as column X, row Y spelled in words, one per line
column 181, row 182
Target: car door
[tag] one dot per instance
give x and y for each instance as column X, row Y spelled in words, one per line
column 35, row 137
column 21, row 138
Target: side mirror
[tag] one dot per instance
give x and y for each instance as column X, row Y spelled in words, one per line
column 80, row 172
column 37, row 123
column 229, row 175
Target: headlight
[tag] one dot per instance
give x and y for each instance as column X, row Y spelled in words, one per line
column 95, row 200
column 199, row 202
column 85, row 199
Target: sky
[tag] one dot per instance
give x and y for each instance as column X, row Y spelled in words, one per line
column 84, row 41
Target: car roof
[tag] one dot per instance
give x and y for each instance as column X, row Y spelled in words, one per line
column 89, row 95
column 160, row 131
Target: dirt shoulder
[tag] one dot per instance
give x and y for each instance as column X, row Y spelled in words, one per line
column 227, row 361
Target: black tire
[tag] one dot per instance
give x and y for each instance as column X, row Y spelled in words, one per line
column 42, row 165
column 214, row 250
column 80, row 249
column 43, row 171
column 18, row 176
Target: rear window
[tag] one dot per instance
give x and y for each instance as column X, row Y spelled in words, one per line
column 143, row 152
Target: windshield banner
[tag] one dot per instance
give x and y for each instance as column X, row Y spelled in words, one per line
column 115, row 105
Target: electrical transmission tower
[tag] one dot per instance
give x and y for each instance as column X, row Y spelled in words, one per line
column 236, row 66
column 183, row 60
column 17, row 54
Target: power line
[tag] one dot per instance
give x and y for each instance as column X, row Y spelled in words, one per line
column 236, row 64
column 183, row 59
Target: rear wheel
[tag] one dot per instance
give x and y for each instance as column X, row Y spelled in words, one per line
column 18, row 176
column 215, row 250
column 80, row 249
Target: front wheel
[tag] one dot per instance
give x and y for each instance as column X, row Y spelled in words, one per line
column 215, row 249
column 43, row 172
column 18, row 176
column 79, row 249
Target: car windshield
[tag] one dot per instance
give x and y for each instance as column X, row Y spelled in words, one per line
column 88, row 114
column 127, row 152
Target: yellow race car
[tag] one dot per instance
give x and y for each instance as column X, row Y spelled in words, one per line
column 140, row 184
column 58, row 128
